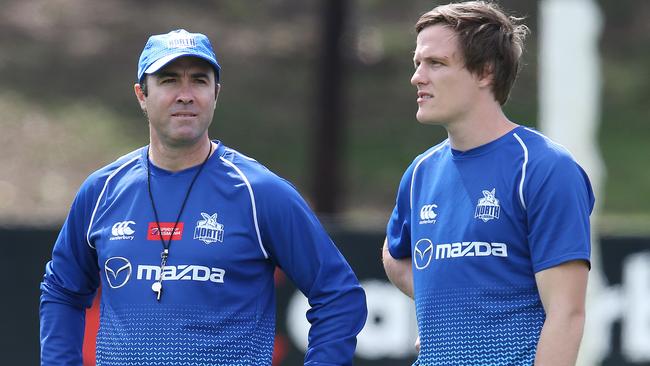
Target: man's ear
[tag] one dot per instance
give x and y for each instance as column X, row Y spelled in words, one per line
column 486, row 79
column 139, row 94
column 217, row 88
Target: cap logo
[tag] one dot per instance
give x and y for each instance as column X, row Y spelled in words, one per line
column 161, row 49
column 182, row 41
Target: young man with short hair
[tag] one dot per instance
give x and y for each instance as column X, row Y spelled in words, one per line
column 490, row 231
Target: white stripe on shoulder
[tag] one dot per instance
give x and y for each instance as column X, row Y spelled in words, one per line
column 101, row 194
column 240, row 154
column 536, row 132
column 523, row 169
column 551, row 141
column 418, row 165
column 252, row 195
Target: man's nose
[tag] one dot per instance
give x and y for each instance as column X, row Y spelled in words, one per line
column 185, row 94
column 417, row 77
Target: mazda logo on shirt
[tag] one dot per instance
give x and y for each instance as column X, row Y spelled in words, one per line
column 118, row 271
column 422, row 253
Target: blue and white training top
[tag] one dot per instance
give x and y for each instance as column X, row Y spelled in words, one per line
column 218, row 300
column 478, row 225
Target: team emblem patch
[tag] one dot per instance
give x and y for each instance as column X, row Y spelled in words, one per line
column 181, row 40
column 209, row 230
column 488, row 207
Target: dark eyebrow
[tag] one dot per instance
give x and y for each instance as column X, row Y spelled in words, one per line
column 200, row 75
column 166, row 74
column 442, row 59
column 170, row 74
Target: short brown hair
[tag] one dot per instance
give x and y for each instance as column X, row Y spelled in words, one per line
column 490, row 40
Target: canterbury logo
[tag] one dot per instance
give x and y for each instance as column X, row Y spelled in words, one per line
column 427, row 215
column 122, row 231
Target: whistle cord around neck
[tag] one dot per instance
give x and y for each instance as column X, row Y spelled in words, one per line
column 157, row 286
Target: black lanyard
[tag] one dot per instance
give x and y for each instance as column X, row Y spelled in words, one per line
column 157, row 285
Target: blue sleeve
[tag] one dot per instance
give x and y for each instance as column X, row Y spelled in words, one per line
column 398, row 230
column 299, row 245
column 68, row 288
column 559, row 200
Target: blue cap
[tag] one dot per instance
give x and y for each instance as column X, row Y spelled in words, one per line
column 161, row 49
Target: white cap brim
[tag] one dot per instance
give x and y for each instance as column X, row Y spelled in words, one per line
column 164, row 61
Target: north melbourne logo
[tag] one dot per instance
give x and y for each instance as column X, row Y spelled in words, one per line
column 181, row 40
column 122, row 231
column 208, row 230
column 488, row 207
column 427, row 215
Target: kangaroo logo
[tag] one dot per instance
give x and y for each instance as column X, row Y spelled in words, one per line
column 209, row 230
column 488, row 207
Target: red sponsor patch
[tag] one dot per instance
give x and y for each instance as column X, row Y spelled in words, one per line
column 166, row 228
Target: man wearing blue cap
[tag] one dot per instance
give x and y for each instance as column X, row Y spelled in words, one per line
column 184, row 236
